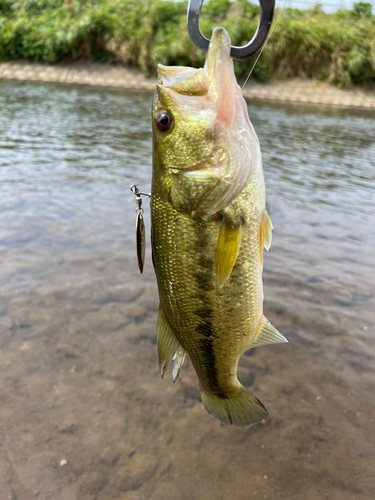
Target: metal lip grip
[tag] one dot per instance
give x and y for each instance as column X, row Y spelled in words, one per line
column 266, row 15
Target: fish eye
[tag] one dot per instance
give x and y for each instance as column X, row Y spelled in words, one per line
column 163, row 120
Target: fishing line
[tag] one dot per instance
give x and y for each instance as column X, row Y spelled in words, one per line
column 265, row 43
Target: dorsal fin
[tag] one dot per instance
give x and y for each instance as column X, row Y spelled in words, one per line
column 169, row 348
column 228, row 247
column 268, row 335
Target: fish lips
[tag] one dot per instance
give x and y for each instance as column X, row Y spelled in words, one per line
column 212, row 87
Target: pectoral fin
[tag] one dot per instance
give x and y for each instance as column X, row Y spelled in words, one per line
column 169, row 348
column 267, row 231
column 228, row 247
column 267, row 335
column 265, row 235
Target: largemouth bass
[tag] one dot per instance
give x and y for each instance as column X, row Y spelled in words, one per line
column 209, row 227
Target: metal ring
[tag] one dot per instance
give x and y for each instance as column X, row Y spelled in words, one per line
column 266, row 15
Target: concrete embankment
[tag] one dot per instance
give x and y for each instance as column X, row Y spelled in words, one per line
column 106, row 75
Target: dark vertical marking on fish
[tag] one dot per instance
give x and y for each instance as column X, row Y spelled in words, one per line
column 203, row 277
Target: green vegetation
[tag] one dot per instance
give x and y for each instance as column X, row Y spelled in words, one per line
column 338, row 48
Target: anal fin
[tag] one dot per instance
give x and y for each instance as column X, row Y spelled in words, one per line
column 169, row 348
column 228, row 247
column 268, row 335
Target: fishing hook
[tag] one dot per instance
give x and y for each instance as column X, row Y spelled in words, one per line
column 266, row 14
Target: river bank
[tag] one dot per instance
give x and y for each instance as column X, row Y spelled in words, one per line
column 122, row 77
column 336, row 48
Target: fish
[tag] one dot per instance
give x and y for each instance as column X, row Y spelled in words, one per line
column 209, row 228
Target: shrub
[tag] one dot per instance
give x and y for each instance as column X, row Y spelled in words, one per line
column 339, row 47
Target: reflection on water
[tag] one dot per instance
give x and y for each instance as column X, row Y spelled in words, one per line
column 77, row 322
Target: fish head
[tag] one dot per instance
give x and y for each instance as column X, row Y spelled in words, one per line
column 204, row 143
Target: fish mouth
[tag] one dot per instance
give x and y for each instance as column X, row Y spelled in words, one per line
column 204, row 81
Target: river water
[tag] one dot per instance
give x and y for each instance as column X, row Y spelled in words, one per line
column 83, row 412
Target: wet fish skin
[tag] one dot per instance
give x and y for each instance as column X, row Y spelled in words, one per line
column 209, row 226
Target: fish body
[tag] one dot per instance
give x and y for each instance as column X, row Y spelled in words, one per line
column 209, row 227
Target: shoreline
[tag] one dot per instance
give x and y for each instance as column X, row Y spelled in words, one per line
column 122, row 77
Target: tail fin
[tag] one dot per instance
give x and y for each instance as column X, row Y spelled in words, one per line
column 242, row 409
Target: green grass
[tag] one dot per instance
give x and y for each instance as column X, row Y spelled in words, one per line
column 338, row 48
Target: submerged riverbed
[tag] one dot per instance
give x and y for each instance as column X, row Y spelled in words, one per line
column 83, row 412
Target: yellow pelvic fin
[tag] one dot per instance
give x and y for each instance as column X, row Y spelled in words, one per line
column 267, row 231
column 242, row 409
column 169, row 348
column 268, row 335
column 228, row 247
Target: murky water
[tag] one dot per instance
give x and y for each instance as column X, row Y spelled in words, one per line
column 83, row 412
